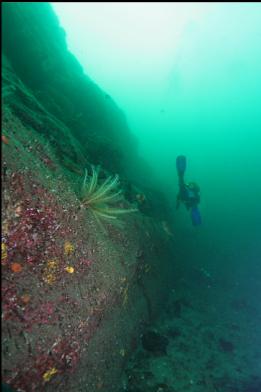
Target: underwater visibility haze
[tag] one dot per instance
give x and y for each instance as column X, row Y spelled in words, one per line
column 186, row 76
column 114, row 277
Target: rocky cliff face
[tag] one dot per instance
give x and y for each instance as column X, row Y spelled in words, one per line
column 76, row 294
column 35, row 45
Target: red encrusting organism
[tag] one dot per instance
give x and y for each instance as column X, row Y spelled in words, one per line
column 39, row 248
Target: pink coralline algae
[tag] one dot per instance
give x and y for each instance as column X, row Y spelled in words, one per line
column 63, row 356
column 84, row 264
column 29, row 235
column 43, row 314
column 42, row 256
column 66, row 354
column 10, row 305
column 34, row 230
column 15, row 309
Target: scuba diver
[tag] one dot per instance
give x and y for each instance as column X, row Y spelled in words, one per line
column 188, row 193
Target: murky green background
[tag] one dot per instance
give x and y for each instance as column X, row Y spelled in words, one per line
column 188, row 79
column 186, row 76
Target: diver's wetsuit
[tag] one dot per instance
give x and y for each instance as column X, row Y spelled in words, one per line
column 190, row 197
column 188, row 193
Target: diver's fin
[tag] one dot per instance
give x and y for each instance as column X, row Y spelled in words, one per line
column 181, row 164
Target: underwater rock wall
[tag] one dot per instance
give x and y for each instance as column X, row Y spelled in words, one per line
column 75, row 294
column 35, row 45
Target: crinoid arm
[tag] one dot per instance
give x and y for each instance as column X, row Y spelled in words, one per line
column 99, row 197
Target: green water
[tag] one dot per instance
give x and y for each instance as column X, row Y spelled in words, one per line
column 188, row 79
